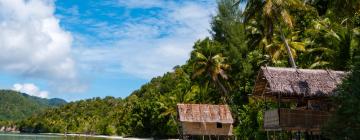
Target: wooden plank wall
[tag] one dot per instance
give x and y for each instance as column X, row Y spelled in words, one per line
column 302, row 119
column 271, row 118
column 299, row 120
column 197, row 128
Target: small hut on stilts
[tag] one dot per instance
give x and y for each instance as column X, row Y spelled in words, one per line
column 302, row 96
column 205, row 121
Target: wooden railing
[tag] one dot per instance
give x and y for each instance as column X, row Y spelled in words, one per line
column 289, row 119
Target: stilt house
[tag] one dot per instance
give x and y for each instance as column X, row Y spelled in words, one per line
column 205, row 120
column 306, row 93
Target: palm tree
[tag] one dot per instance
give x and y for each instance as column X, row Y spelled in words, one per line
column 209, row 62
column 256, row 37
column 273, row 12
column 278, row 48
column 333, row 45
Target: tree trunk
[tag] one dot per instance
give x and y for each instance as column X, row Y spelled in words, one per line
column 292, row 61
column 223, row 90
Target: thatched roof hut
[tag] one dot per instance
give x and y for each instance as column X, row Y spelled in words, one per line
column 205, row 119
column 308, row 88
column 290, row 82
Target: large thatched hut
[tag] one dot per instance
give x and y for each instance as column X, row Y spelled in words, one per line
column 205, row 120
column 305, row 93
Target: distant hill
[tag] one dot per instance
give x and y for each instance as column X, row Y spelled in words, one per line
column 17, row 106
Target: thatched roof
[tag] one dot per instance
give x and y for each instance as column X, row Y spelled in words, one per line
column 204, row 113
column 290, row 82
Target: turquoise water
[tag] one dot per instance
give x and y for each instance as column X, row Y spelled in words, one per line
column 12, row 136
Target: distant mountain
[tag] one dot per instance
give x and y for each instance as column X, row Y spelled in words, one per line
column 17, row 106
column 56, row 102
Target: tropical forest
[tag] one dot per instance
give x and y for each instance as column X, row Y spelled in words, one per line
column 245, row 35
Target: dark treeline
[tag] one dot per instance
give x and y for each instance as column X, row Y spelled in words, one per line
column 222, row 69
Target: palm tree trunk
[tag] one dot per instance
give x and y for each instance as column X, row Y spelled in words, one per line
column 225, row 92
column 292, row 61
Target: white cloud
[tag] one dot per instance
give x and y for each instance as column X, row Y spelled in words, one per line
column 154, row 55
column 33, row 44
column 142, row 3
column 147, row 46
column 31, row 89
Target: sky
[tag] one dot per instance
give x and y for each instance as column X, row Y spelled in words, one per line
column 79, row 49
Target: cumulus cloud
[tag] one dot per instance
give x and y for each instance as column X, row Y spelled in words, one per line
column 147, row 45
column 33, row 44
column 143, row 4
column 31, row 89
column 170, row 41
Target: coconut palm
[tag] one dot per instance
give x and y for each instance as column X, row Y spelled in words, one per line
column 273, row 12
column 209, row 62
column 333, row 45
column 277, row 48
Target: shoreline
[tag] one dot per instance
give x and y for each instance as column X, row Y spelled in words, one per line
column 96, row 136
column 84, row 135
column 76, row 135
column 73, row 135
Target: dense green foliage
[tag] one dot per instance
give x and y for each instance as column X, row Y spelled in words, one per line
column 222, row 69
column 137, row 115
column 88, row 116
column 345, row 123
column 17, row 106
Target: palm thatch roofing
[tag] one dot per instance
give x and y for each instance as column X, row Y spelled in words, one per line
column 290, row 82
column 204, row 113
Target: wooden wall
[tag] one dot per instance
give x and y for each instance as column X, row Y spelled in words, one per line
column 271, row 119
column 196, row 128
column 289, row 119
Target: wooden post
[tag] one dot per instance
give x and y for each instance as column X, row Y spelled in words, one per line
column 307, row 136
column 266, row 106
column 298, row 135
column 279, row 102
column 274, row 135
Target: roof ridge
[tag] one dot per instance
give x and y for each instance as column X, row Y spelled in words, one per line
column 300, row 69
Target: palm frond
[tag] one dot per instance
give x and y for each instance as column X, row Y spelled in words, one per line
column 286, row 18
column 198, row 72
column 200, row 56
column 268, row 8
column 299, row 46
column 319, row 64
column 223, row 74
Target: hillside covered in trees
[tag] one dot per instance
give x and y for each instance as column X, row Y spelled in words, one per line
column 17, row 106
column 222, row 69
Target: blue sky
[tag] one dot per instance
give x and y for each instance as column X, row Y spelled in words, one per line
column 77, row 49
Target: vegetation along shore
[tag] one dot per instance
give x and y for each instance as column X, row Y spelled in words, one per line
column 222, row 69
